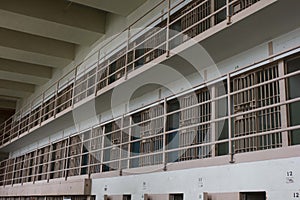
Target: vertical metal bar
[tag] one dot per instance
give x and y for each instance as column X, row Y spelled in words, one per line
column 127, row 49
column 55, row 100
column 89, row 153
column 265, row 111
column 213, row 117
column 121, row 141
column 96, row 75
column 283, row 108
column 49, row 162
column 164, row 134
column 13, row 171
column 24, row 169
column 74, row 87
column 35, row 166
column 4, row 131
column 66, row 157
column 228, row 12
column 5, row 173
column 229, row 115
column 80, row 153
column 129, row 143
column 168, row 29
column 42, row 108
column 107, row 73
column 102, row 150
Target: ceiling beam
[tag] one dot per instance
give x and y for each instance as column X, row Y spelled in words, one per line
column 24, row 72
column 59, row 11
column 25, row 68
column 29, row 48
column 123, row 7
column 32, row 57
column 46, row 28
column 36, row 44
column 17, row 86
column 13, row 93
column 7, row 104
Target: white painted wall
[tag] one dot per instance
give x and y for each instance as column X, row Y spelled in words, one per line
column 269, row 176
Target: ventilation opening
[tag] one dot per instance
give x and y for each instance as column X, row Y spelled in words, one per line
column 126, row 197
column 176, row 196
column 253, row 196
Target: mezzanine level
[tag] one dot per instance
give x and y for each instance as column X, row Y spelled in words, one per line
column 112, row 66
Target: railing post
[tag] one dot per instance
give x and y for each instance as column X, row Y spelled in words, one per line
column 129, row 141
column 42, row 109
column 102, row 148
column 13, row 171
column 4, row 131
column 168, row 29
column 127, row 49
column 55, row 100
column 66, row 164
column 48, row 173
column 19, row 123
column 30, row 117
column 74, row 87
column 212, row 10
column 230, row 145
column 228, row 12
column 164, row 134
column 5, row 172
column 97, row 69
column 213, row 117
column 121, row 138
column 283, row 108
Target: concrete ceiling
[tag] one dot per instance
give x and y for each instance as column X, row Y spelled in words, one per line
column 37, row 36
column 120, row 7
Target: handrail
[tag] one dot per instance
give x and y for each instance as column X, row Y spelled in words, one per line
column 7, row 129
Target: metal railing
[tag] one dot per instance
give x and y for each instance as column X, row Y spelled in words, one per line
column 139, row 139
column 110, row 63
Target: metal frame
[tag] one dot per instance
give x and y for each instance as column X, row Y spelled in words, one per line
column 271, row 136
column 75, row 86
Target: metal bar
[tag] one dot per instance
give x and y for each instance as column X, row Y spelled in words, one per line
column 145, row 15
column 283, row 107
column 229, row 116
column 213, row 117
column 168, row 29
column 228, row 15
column 73, row 88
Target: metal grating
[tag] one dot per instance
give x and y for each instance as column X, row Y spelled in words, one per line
column 194, row 16
column 96, row 145
column 116, row 68
column 155, row 42
column 101, row 75
column 18, row 170
column 114, row 133
column 42, row 163
column 255, row 122
column 255, row 118
column 241, row 5
column 141, row 47
column 74, row 161
column 58, row 159
column 152, row 124
column 3, row 165
column 64, row 98
column 48, row 109
column 196, row 134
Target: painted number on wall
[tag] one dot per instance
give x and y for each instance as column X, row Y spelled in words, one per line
column 289, row 177
column 296, row 195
